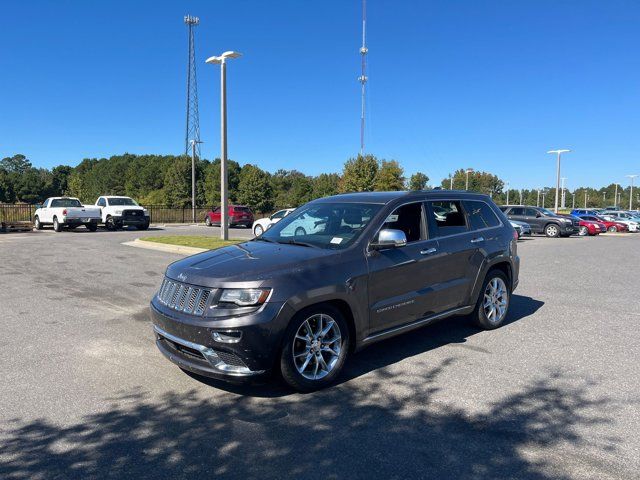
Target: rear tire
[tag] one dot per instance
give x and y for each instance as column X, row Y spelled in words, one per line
column 493, row 302
column 583, row 231
column 36, row 223
column 552, row 230
column 258, row 230
column 207, row 221
column 92, row 227
column 612, row 229
column 300, row 232
column 57, row 227
column 319, row 357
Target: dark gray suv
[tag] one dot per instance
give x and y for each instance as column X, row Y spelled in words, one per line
column 332, row 277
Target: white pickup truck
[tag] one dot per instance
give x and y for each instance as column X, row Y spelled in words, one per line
column 118, row 212
column 66, row 212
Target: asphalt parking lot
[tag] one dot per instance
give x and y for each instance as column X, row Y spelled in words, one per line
column 85, row 394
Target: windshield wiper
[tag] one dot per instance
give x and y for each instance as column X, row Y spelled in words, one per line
column 260, row 239
column 295, row 242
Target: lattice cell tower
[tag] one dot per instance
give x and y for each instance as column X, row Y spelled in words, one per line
column 193, row 118
column 363, row 76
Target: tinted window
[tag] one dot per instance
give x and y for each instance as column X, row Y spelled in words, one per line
column 65, row 203
column 242, row 209
column 516, row 211
column 279, row 214
column 481, row 215
column 447, row 218
column 102, row 202
column 531, row 212
column 407, row 218
column 122, row 202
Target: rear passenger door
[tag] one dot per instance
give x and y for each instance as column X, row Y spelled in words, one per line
column 457, row 252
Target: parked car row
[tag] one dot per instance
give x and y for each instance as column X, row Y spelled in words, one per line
column 579, row 222
column 112, row 211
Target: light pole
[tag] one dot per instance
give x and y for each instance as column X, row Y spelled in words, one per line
column 450, row 182
column 193, row 179
column 520, row 196
column 467, row 171
column 586, row 195
column 562, row 196
column 631, row 192
column 538, row 199
column 615, row 198
column 573, row 201
column 507, row 185
column 544, row 194
column 559, row 154
column 222, row 60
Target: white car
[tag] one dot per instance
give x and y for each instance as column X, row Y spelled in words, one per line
column 117, row 212
column 263, row 224
column 633, row 225
column 66, row 212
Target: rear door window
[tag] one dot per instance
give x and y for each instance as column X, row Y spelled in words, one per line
column 481, row 215
column 446, row 218
column 531, row 212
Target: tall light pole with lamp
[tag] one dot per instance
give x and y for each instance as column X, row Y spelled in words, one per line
column 559, row 155
column 615, row 198
column 467, row 171
column 506, row 184
column 562, row 196
column 222, row 61
column 631, row 192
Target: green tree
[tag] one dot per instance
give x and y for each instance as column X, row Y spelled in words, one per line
column 18, row 164
column 6, row 187
column 390, row 176
column 418, row 181
column 177, row 183
column 482, row 182
column 359, row 174
column 254, row 189
column 325, row 185
column 212, row 181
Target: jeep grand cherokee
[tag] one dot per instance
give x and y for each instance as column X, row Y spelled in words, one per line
column 370, row 266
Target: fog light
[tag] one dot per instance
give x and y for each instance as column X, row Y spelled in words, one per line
column 230, row 336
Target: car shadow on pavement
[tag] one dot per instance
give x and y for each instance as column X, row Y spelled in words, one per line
column 454, row 330
column 383, row 426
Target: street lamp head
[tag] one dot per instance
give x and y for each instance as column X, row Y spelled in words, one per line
column 469, row 170
column 631, row 176
column 559, row 151
column 222, row 58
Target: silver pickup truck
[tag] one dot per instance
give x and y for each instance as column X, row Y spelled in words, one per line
column 66, row 212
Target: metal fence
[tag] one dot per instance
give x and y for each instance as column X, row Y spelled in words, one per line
column 22, row 212
column 16, row 212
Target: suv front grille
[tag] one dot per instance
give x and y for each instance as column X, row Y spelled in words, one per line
column 183, row 298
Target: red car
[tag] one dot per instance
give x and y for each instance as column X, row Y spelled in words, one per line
column 237, row 215
column 611, row 226
column 589, row 227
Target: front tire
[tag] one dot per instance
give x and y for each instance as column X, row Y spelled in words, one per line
column 207, row 221
column 110, row 224
column 258, row 230
column 315, row 348
column 493, row 303
column 57, row 227
column 552, row 230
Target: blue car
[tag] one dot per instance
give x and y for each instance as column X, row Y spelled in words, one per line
column 584, row 211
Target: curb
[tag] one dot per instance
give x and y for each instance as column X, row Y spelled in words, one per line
column 164, row 247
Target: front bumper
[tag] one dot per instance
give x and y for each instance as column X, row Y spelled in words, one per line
column 132, row 220
column 243, row 346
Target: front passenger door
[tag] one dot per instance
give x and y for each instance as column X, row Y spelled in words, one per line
column 400, row 278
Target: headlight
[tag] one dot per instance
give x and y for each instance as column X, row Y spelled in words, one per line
column 245, row 296
column 145, row 211
column 118, row 212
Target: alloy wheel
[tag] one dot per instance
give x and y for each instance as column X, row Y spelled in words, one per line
column 258, row 231
column 583, row 231
column 496, row 300
column 552, row 231
column 316, row 346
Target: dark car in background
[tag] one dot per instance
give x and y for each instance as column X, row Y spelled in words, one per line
column 542, row 220
column 375, row 265
column 238, row 215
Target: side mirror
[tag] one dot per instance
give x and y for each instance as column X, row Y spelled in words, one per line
column 389, row 238
column 538, row 214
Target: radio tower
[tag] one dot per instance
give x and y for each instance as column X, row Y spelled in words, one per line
column 193, row 118
column 363, row 78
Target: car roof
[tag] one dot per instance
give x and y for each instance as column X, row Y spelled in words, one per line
column 388, row 197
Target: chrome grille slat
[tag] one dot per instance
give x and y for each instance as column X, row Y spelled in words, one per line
column 183, row 298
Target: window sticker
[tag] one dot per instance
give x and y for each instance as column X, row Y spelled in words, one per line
column 336, row 240
column 392, row 218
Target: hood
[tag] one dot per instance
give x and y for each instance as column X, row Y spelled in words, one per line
column 250, row 262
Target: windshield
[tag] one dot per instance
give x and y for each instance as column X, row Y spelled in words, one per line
column 322, row 225
column 65, row 202
column 548, row 213
column 122, row 201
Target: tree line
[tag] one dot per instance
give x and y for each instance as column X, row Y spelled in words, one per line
column 166, row 180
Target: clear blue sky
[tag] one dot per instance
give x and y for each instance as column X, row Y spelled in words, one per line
column 485, row 84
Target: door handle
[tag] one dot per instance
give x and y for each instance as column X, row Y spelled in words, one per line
column 428, row 251
column 477, row 240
